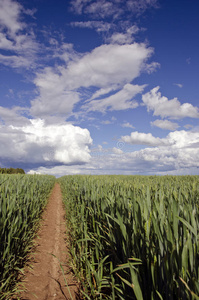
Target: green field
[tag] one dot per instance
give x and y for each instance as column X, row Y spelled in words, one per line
column 22, row 199
column 134, row 237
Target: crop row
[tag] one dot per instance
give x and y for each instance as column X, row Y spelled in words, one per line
column 22, row 199
column 134, row 237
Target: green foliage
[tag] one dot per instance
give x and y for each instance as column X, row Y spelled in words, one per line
column 134, row 237
column 11, row 171
column 22, row 199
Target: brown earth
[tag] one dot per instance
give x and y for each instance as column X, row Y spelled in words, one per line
column 44, row 280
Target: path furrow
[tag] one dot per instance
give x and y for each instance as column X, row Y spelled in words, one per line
column 44, row 280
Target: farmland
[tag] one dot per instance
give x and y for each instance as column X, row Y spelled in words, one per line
column 22, row 199
column 134, row 237
column 131, row 237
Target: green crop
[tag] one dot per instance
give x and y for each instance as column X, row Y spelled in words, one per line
column 134, row 237
column 22, row 199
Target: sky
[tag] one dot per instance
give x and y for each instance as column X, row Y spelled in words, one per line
column 99, row 86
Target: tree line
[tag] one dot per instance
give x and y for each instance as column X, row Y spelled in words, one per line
column 11, row 171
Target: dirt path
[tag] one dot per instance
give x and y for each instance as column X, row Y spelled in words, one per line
column 45, row 281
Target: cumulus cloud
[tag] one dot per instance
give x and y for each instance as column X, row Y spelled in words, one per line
column 54, row 99
column 178, row 155
column 107, row 68
column 37, row 143
column 176, row 139
column 165, row 124
column 139, row 138
column 13, row 116
column 117, row 151
column 162, row 106
column 108, row 64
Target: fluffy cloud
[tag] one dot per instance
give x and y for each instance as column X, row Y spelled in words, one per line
column 15, row 36
column 162, row 106
column 177, row 154
column 107, row 67
column 176, row 139
column 54, row 99
column 165, row 124
column 37, row 143
column 119, row 101
column 148, row 161
column 117, row 151
column 123, row 38
column 108, row 64
column 9, row 16
column 139, row 138
column 13, row 116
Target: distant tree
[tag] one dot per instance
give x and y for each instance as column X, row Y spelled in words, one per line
column 11, row 171
column 20, row 171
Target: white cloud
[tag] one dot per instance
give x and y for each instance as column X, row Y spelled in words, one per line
column 13, row 116
column 10, row 16
column 162, row 106
column 99, row 26
column 139, row 6
column 110, row 121
column 103, row 92
column 37, row 143
column 107, row 68
column 108, row 64
column 106, row 122
column 98, row 9
column 188, row 126
column 15, row 61
column 179, row 85
column 15, row 36
column 139, row 138
column 114, row 8
column 54, row 98
column 123, row 38
column 127, row 125
column 179, row 155
column 117, row 150
column 165, row 124
column 176, row 139
column 119, row 101
column 120, row 38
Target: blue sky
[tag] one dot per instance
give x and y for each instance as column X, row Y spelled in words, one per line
column 99, row 86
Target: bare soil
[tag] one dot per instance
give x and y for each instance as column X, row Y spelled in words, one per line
column 44, row 279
